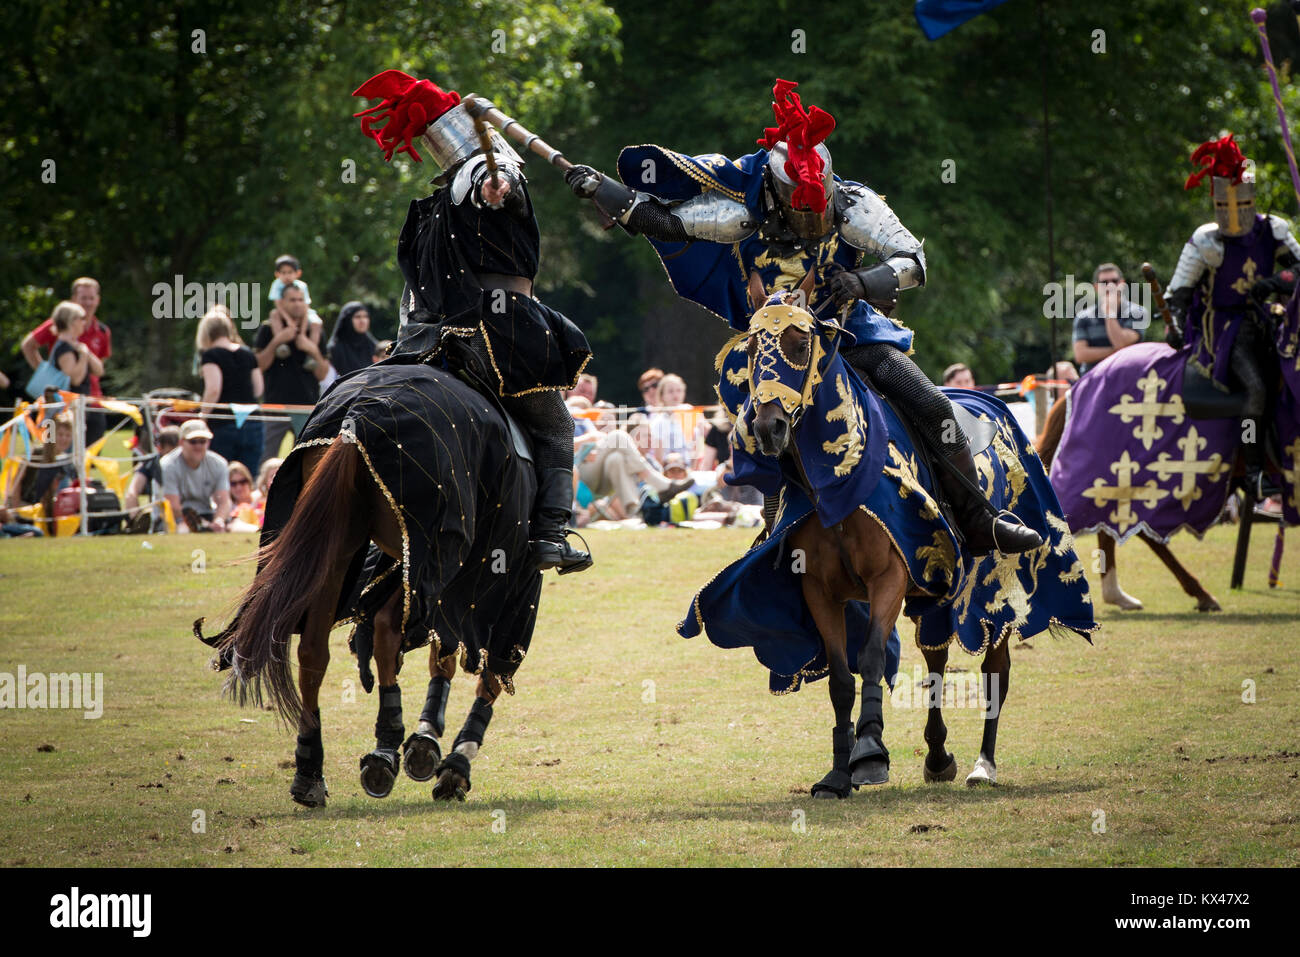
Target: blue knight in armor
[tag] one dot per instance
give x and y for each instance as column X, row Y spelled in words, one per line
column 731, row 233
column 1217, row 296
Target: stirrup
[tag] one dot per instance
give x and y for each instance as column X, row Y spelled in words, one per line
column 581, row 563
column 1014, row 520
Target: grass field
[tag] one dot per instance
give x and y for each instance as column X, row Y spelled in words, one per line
column 627, row 745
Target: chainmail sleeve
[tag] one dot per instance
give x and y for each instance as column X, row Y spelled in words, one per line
column 656, row 222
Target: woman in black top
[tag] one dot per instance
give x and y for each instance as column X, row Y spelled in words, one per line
column 351, row 346
column 69, row 355
column 230, row 374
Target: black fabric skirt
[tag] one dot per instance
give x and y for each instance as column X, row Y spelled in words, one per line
column 531, row 347
column 442, row 457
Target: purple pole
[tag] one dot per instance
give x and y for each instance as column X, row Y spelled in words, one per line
column 1259, row 16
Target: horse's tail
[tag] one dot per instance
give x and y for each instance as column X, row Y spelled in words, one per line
column 1053, row 429
column 294, row 570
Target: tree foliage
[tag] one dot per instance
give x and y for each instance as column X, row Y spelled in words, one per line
column 209, row 164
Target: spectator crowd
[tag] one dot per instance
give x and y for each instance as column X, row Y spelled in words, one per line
column 663, row 460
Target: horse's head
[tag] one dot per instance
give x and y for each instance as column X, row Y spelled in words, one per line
column 786, row 349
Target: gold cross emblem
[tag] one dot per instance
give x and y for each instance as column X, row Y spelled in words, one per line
column 1124, row 493
column 1248, row 274
column 1149, row 409
column 1189, row 467
column 1292, row 475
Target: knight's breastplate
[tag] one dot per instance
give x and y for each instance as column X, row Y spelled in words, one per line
column 1245, row 261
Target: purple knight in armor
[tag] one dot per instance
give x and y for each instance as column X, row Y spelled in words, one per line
column 1218, row 294
column 731, row 233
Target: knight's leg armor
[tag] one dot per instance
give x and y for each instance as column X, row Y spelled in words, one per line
column 547, row 419
column 929, row 410
column 1244, row 363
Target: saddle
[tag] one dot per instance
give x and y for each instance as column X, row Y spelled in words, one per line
column 1203, row 400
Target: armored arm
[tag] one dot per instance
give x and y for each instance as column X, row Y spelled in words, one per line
column 1203, row 251
column 867, row 223
column 709, row 216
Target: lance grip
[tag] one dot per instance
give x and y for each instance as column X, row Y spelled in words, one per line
column 1149, row 274
column 527, row 139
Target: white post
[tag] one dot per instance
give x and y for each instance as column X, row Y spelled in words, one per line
column 79, row 450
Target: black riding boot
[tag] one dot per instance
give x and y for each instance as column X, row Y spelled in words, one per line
column 980, row 523
column 554, row 507
column 1252, row 461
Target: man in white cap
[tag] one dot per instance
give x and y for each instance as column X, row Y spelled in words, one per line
column 196, row 481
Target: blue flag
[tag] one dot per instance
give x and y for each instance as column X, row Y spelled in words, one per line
column 937, row 17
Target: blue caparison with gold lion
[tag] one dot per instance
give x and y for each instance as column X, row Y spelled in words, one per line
column 858, row 455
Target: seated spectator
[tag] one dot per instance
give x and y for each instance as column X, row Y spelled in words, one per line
column 381, row 350
column 958, row 376
column 264, row 479
column 245, row 511
column 11, row 526
column 586, row 388
column 195, row 482
column 666, row 423
column 616, row 468
column 147, row 480
column 230, row 374
column 713, row 441
column 1111, row 324
column 34, row 478
column 351, row 346
column 647, row 385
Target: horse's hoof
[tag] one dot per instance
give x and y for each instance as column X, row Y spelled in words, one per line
column 836, row 784
column 453, row 778
column 948, row 773
column 309, row 791
column 983, row 773
column 869, row 761
column 449, row 786
column 1208, row 604
column 423, row 754
column 870, row 771
column 378, row 772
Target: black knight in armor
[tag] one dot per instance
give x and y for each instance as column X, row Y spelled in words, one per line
column 469, row 255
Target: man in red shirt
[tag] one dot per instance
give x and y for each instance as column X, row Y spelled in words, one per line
column 97, row 337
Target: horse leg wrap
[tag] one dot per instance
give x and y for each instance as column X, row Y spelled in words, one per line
column 388, row 725
column 309, row 755
column 841, row 745
column 435, row 705
column 480, row 713
column 837, row 782
column 869, row 760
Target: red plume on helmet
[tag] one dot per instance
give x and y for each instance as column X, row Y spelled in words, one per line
column 1221, row 157
column 409, row 106
column 801, row 130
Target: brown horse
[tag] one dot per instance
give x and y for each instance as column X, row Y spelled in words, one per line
column 370, row 436
column 856, row 560
column 1111, row 592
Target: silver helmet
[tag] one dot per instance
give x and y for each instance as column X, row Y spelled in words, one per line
column 1234, row 204
column 805, row 223
column 452, row 138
